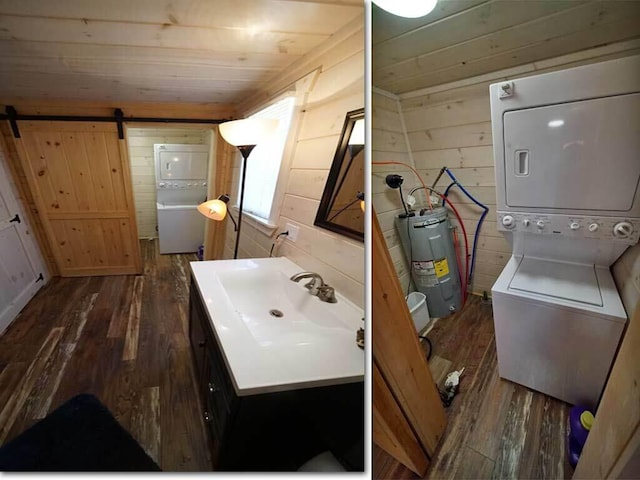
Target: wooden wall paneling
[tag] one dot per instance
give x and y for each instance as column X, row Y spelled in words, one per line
column 615, row 435
column 386, row 26
column 347, row 42
column 195, row 14
column 129, row 229
column 397, row 351
column 540, row 30
column 215, row 231
column 474, row 22
column 459, row 112
column 474, row 45
column 626, row 272
column 351, row 288
column 391, row 430
column 471, row 135
column 336, row 66
column 76, row 231
column 625, row 27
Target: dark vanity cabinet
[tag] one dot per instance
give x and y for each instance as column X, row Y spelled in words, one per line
column 271, row 431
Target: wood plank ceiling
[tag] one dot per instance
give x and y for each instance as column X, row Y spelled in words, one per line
column 214, row 51
column 465, row 38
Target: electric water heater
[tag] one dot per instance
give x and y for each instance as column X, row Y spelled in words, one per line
column 428, row 245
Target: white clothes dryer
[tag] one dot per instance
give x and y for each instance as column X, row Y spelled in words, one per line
column 567, row 163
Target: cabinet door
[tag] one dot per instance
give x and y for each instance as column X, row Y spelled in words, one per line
column 197, row 334
column 217, row 399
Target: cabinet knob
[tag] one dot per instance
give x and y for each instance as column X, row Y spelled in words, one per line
column 212, row 388
column 207, row 417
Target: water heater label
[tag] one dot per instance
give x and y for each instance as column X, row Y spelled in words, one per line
column 425, row 274
column 441, row 267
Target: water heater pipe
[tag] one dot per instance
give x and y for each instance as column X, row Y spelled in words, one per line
column 479, row 225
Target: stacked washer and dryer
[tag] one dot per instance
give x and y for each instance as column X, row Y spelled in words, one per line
column 181, row 185
column 567, row 163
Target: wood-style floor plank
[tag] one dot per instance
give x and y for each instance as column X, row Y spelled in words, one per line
column 12, row 408
column 123, row 339
column 496, row 429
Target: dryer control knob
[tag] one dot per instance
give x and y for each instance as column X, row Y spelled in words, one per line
column 593, row 227
column 574, row 226
column 162, row 184
column 622, row 229
column 540, row 224
column 526, row 222
column 508, row 221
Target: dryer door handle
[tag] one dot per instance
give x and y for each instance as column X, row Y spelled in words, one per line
column 522, row 163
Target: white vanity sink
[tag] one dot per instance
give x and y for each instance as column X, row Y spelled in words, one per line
column 275, row 335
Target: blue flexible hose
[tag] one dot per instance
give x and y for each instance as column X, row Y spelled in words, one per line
column 484, row 214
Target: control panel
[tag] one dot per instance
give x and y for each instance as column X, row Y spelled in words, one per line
column 601, row 228
column 179, row 184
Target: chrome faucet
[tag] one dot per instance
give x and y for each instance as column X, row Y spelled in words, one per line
column 316, row 286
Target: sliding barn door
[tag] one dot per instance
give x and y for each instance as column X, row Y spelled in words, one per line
column 79, row 174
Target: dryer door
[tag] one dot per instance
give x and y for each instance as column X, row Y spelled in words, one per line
column 579, row 155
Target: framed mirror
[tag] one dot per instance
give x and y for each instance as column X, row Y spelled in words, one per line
column 341, row 208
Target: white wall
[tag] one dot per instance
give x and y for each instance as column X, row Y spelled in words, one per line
column 338, row 89
column 143, row 174
column 450, row 125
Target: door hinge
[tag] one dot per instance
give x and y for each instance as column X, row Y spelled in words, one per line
column 40, row 278
column 15, row 219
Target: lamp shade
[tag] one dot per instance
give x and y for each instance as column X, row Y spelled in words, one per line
column 407, row 8
column 213, row 209
column 248, row 131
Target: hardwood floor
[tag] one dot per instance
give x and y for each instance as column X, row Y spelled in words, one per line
column 497, row 429
column 124, row 339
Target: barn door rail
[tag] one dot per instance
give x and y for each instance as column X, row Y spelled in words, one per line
column 118, row 117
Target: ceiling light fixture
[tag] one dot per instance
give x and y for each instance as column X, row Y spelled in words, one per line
column 407, row 8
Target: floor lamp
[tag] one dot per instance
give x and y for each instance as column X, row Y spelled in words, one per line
column 245, row 134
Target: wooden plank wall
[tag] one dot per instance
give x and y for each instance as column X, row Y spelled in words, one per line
column 338, row 89
column 450, row 125
column 389, row 144
column 142, row 161
column 160, row 50
column 626, row 273
column 466, row 38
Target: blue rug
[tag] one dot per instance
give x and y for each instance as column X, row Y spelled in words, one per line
column 79, row 436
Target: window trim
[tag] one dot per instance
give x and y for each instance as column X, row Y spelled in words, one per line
column 299, row 90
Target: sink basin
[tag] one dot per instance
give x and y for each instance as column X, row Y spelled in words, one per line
column 273, row 333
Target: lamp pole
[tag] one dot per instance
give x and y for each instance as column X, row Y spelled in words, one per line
column 245, row 150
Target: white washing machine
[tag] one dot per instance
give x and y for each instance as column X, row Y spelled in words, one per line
column 567, row 163
column 181, row 185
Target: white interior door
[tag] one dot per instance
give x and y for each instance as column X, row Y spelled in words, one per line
column 22, row 271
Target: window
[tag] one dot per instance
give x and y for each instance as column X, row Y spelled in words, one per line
column 263, row 165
